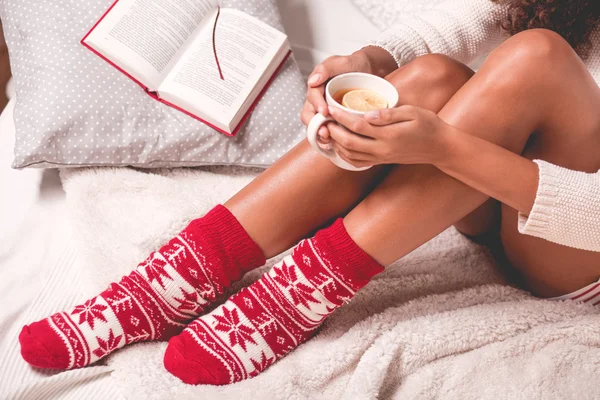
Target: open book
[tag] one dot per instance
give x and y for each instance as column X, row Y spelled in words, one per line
column 211, row 63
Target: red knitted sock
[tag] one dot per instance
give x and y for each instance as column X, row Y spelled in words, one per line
column 155, row 302
column 262, row 323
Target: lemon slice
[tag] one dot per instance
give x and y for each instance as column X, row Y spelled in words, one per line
column 364, row 100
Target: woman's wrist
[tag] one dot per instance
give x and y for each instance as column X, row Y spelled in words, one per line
column 446, row 148
column 488, row 168
column 380, row 61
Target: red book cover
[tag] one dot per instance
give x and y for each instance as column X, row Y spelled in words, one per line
column 155, row 96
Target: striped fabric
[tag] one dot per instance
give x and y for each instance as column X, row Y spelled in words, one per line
column 17, row 379
column 589, row 294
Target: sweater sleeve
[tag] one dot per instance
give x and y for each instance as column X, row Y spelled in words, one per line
column 461, row 29
column 566, row 209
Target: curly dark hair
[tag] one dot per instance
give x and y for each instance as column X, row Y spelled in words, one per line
column 574, row 20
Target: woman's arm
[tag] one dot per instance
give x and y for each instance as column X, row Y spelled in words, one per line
column 489, row 168
column 555, row 204
column 461, row 29
column 411, row 135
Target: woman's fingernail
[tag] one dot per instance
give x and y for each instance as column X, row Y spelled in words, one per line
column 372, row 115
column 313, row 80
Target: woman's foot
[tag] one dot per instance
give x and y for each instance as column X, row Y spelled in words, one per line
column 155, row 302
column 262, row 323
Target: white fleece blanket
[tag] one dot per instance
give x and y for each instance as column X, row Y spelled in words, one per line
column 439, row 324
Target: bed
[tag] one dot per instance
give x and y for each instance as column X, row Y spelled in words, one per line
column 440, row 323
column 35, row 235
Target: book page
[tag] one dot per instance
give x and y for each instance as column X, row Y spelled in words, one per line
column 143, row 36
column 246, row 48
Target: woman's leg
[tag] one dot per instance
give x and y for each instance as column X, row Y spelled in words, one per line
column 520, row 89
column 304, row 191
column 533, row 96
column 513, row 95
column 176, row 283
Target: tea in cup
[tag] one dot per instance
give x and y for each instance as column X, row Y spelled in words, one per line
column 356, row 93
column 361, row 100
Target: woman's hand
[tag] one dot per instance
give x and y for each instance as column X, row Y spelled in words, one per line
column 412, row 135
column 403, row 135
column 372, row 60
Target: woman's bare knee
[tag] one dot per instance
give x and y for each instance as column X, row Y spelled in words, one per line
column 532, row 57
column 430, row 81
column 540, row 44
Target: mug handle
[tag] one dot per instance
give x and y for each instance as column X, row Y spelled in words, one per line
column 312, row 134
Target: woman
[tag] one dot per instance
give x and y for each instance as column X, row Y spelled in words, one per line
column 458, row 151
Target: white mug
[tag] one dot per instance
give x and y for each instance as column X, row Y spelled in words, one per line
column 353, row 80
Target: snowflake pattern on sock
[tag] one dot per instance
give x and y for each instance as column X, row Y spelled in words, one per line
column 262, row 323
column 154, row 302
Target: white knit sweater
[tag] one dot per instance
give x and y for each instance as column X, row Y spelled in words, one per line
column 567, row 206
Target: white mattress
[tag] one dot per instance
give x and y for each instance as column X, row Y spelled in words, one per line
column 28, row 210
column 35, row 238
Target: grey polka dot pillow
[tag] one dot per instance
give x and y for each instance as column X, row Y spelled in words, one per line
column 73, row 109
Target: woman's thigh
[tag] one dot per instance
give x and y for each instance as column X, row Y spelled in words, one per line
column 536, row 83
column 549, row 269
